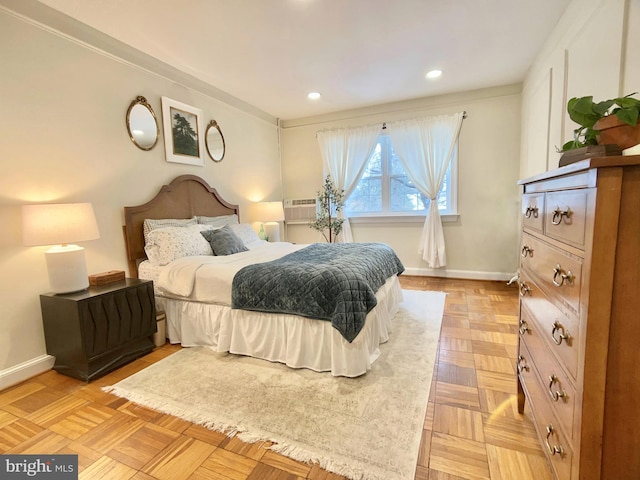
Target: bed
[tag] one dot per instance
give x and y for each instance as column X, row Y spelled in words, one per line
column 195, row 290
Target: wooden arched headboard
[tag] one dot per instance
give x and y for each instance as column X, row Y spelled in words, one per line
column 184, row 197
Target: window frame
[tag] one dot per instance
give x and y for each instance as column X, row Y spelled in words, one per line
column 448, row 214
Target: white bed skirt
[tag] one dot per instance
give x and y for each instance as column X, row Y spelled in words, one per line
column 296, row 341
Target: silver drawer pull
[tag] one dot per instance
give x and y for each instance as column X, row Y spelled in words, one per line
column 526, row 250
column 559, row 276
column 559, row 214
column 557, row 326
column 524, row 289
column 555, row 449
column 522, row 364
column 524, row 327
column 531, row 211
column 557, row 395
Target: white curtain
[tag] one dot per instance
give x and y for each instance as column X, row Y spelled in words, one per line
column 425, row 147
column 345, row 153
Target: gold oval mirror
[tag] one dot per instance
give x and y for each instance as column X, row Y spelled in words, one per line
column 142, row 124
column 214, row 141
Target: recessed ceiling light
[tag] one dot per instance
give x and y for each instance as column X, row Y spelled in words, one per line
column 434, row 74
column 313, row 96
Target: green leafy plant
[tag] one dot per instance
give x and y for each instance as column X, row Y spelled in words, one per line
column 330, row 202
column 585, row 112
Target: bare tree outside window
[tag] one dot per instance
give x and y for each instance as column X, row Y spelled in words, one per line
column 385, row 189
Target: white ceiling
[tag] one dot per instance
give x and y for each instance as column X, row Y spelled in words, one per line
column 271, row 53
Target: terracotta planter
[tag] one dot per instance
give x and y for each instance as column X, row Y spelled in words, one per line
column 614, row 131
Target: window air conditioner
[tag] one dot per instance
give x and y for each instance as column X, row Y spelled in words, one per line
column 299, row 210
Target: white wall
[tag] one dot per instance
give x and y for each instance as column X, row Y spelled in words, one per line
column 594, row 50
column 482, row 241
column 63, row 139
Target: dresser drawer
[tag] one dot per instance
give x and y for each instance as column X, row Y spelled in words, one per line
column 554, row 441
column 559, row 273
column 565, row 216
column 561, row 332
column 560, row 390
column 533, row 211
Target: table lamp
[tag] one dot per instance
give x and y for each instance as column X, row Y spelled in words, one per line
column 270, row 213
column 59, row 225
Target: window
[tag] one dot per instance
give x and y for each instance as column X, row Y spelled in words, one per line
column 384, row 188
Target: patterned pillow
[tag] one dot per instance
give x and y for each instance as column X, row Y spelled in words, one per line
column 220, row 221
column 167, row 244
column 224, row 242
column 246, row 233
column 150, row 224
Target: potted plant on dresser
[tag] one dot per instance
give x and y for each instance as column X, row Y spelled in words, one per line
column 605, row 128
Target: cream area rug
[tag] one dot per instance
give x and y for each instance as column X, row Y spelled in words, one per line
column 367, row 427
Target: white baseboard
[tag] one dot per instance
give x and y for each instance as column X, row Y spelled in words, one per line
column 23, row 371
column 462, row 274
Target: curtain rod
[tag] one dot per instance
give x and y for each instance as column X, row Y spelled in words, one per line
column 464, row 115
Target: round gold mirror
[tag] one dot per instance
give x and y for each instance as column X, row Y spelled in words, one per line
column 142, row 124
column 214, row 141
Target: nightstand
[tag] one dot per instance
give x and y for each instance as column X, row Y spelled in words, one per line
column 95, row 331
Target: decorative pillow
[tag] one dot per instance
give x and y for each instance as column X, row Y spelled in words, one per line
column 150, row 224
column 220, row 221
column 167, row 244
column 246, row 233
column 223, row 241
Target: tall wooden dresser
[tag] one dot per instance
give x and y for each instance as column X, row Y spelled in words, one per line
column 579, row 343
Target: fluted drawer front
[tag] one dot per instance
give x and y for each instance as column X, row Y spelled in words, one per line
column 115, row 319
column 533, row 211
column 565, row 216
column 559, row 273
column 554, row 439
column 560, row 389
column 560, row 331
column 97, row 330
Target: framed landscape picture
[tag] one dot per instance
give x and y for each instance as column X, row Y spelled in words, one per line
column 183, row 132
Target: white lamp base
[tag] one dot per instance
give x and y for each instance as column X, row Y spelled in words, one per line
column 67, row 268
column 273, row 231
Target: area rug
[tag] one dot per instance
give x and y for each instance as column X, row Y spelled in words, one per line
column 367, row 427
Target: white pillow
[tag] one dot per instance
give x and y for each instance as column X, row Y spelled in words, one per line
column 150, row 224
column 220, row 221
column 246, row 233
column 167, row 244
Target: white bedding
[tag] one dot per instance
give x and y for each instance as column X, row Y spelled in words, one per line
column 208, row 278
column 195, row 293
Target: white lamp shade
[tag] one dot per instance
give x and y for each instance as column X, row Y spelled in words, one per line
column 58, row 224
column 270, row 212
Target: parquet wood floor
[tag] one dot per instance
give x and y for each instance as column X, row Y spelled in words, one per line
column 471, row 431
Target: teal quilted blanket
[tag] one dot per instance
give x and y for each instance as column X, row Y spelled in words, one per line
column 336, row 282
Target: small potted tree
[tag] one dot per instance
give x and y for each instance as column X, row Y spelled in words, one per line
column 330, row 202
